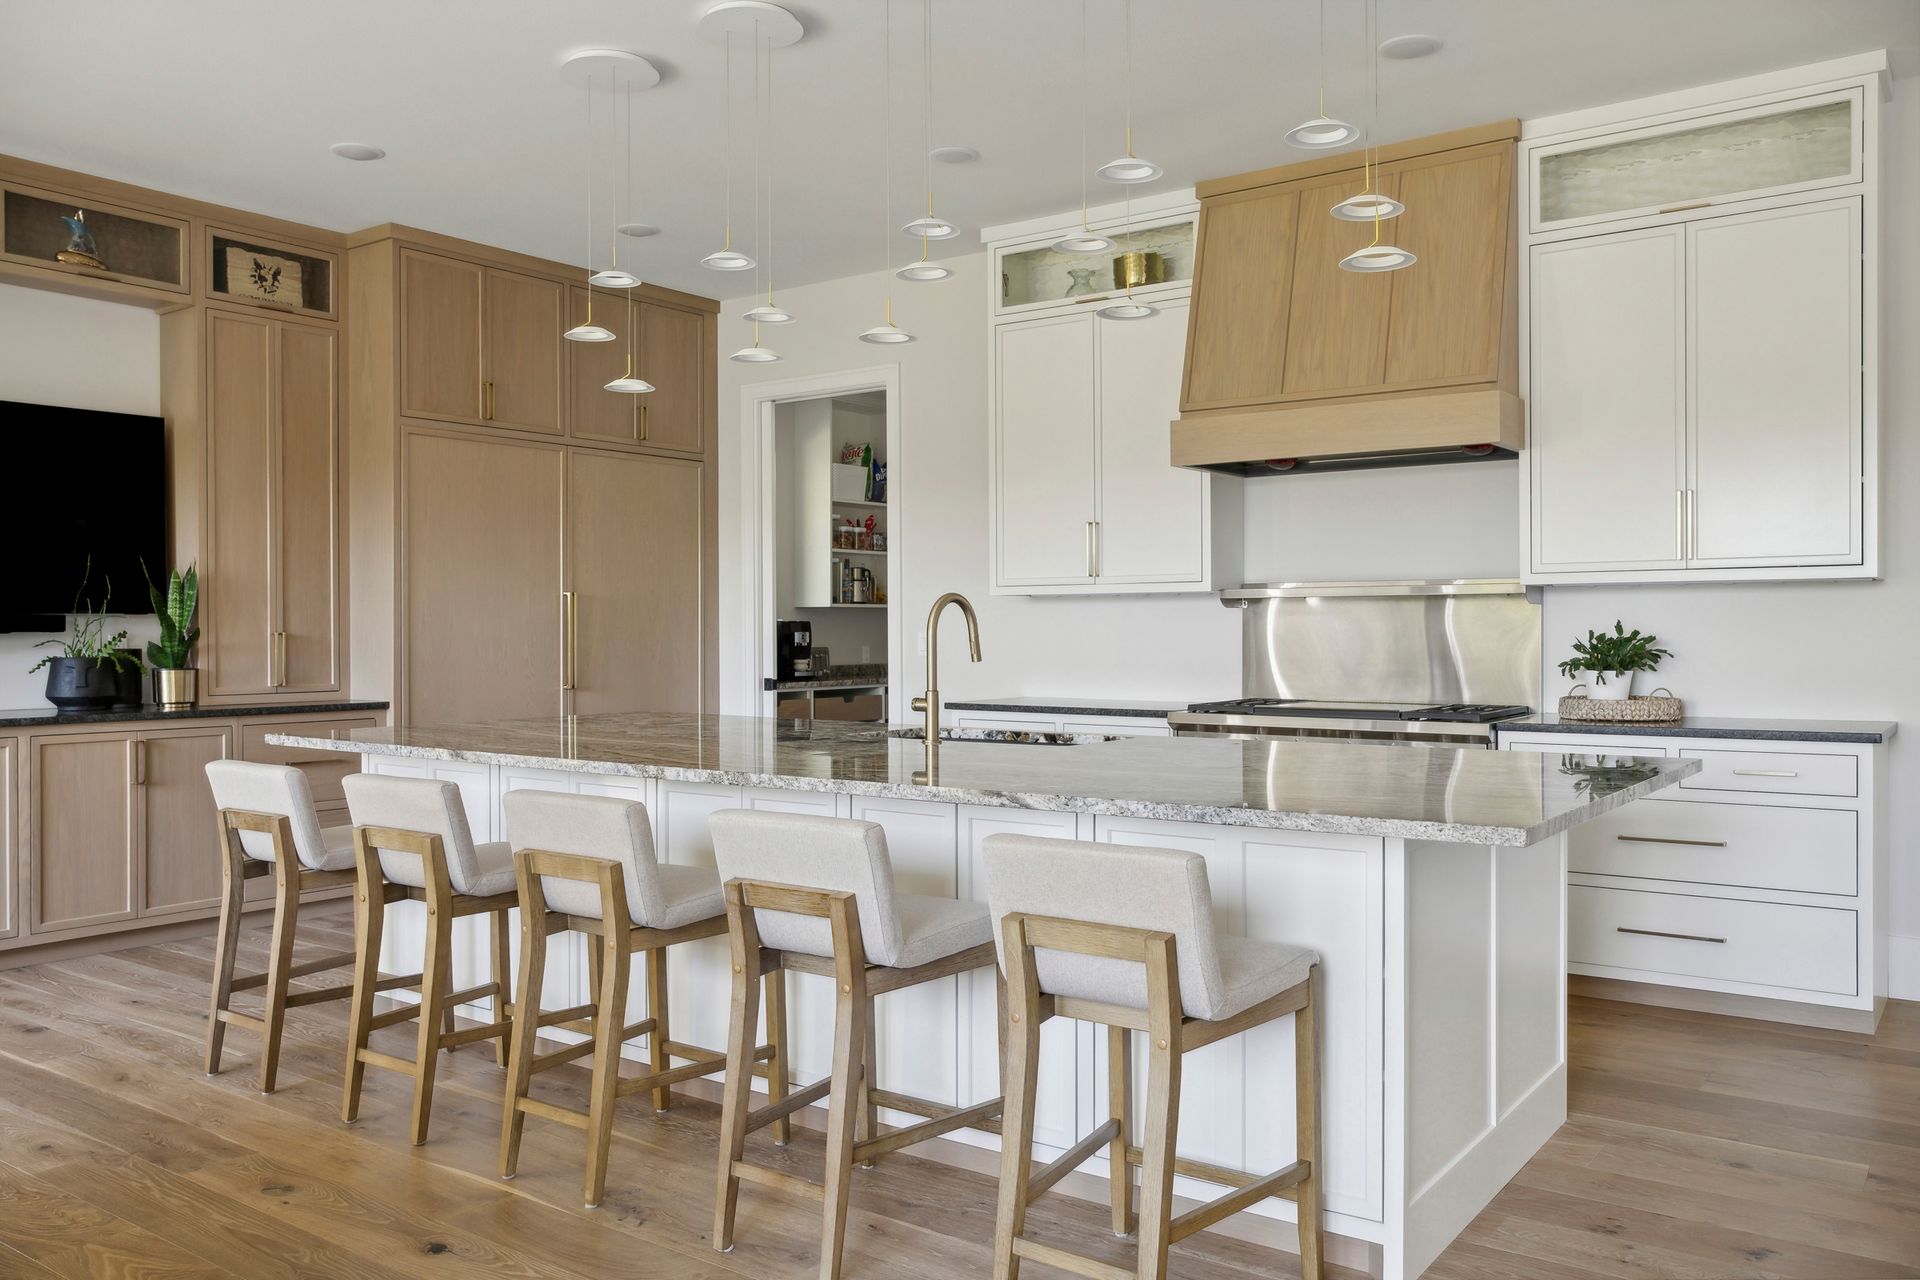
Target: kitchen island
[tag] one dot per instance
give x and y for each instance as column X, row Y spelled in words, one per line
column 1430, row 880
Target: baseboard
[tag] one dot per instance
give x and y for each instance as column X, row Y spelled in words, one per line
column 1863, row 1021
column 1903, row 967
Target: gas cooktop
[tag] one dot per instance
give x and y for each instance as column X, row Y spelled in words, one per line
column 1448, row 712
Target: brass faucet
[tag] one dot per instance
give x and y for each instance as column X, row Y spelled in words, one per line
column 930, row 701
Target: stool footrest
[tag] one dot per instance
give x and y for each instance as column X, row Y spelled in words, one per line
column 1234, row 1201
column 473, row 993
column 1042, row 1182
column 467, row 1035
column 333, row 960
column 565, row 1115
column 671, row 1076
column 1092, row 1268
column 560, row 1057
column 296, row 999
column 552, row 1017
column 235, row 1018
column 788, row 1105
column 932, row 1128
column 1218, row 1174
column 388, row 1017
column 374, row 1058
column 775, row 1178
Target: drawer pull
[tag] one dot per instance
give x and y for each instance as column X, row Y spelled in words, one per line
column 1701, row 844
column 1657, row 933
column 1682, row 208
column 1766, row 773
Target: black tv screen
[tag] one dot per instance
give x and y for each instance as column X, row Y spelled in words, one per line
column 87, row 495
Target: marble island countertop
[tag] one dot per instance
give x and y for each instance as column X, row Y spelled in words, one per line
column 1425, row 793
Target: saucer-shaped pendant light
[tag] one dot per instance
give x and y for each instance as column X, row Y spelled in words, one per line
column 613, row 277
column 1378, row 257
column 1368, row 206
column 755, row 354
column 627, row 383
column 768, row 313
column 726, row 257
column 929, row 226
column 1375, row 256
column 587, row 330
column 1128, row 168
column 887, row 333
column 1323, row 132
column 1083, row 239
column 922, row 271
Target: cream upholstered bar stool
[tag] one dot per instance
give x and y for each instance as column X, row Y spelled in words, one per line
column 586, row 864
column 411, row 841
column 1124, row 936
column 816, row 895
column 267, row 825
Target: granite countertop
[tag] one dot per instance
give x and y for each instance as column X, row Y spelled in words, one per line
column 44, row 717
column 1428, row 793
column 827, row 682
column 1712, row 727
column 1142, row 708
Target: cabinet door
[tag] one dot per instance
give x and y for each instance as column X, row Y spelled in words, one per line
column 180, row 858
column 593, row 412
column 1337, row 341
column 1608, row 418
column 9, row 839
column 1243, row 281
column 1153, row 518
column 237, row 577
column 672, row 354
column 482, row 609
column 525, row 316
column 1445, row 323
column 440, row 372
column 306, row 523
column 81, row 822
column 1043, row 450
column 634, row 533
column 1774, row 360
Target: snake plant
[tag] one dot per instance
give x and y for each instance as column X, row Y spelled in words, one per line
column 173, row 651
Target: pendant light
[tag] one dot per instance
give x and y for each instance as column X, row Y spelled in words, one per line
column 768, row 312
column 1370, row 205
column 613, row 277
column 587, row 330
column 1125, row 308
column 929, row 226
column 726, row 257
column 1086, row 239
column 757, row 353
column 1376, row 256
column 1128, row 168
column 887, row 333
column 1323, row 132
column 629, row 383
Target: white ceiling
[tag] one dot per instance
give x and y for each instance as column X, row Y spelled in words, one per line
column 237, row 101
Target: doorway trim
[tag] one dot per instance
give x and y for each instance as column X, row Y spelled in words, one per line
column 756, row 492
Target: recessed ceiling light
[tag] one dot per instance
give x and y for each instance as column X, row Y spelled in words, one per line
column 954, row 155
column 1404, row 48
column 356, row 151
column 637, row 229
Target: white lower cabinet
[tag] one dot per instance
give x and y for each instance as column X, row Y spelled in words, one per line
column 1766, row 944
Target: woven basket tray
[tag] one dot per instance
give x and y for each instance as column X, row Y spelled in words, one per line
column 1653, row 709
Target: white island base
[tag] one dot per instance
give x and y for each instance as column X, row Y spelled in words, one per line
column 1444, row 996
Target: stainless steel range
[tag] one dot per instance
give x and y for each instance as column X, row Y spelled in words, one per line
column 1434, row 663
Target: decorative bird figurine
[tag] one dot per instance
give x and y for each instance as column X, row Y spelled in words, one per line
column 81, row 251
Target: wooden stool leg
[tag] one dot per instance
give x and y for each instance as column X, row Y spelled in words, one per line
column 1163, row 1111
column 436, row 977
column 847, row 1100
column 369, row 922
column 775, row 985
column 1306, row 1123
column 502, row 956
column 1120, row 1107
column 737, row 1088
column 286, row 915
column 609, row 1025
column 226, row 948
column 867, row 1121
column 526, row 1031
column 657, row 1057
column 1020, row 1079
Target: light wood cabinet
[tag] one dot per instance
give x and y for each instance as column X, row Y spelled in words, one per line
column 673, row 342
column 479, row 344
column 9, row 838
column 481, row 606
column 179, row 859
column 668, row 350
column 270, row 575
column 593, row 412
column 1245, row 313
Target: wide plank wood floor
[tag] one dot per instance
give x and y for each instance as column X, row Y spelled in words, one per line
column 1699, row 1148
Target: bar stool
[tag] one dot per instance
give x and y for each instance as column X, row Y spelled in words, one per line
column 267, row 826
column 411, row 842
column 586, row 864
column 1124, row 936
column 816, row 895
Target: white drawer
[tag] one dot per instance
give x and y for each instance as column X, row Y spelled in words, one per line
column 1765, row 943
column 1741, row 845
column 1780, row 772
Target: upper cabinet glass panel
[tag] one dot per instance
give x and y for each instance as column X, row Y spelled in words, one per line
column 91, row 239
column 1782, row 147
column 1043, row 275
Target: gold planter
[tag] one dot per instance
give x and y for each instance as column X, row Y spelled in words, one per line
column 1142, row 266
column 175, row 690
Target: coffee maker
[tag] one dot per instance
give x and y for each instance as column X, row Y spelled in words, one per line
column 794, row 645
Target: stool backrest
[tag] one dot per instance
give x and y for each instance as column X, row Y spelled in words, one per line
column 840, row 855
column 426, row 805
column 272, row 789
column 604, row 827
column 1164, row 890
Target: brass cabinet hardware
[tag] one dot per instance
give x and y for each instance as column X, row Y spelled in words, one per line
column 1701, row 844
column 1090, row 565
column 643, row 419
column 1767, row 773
column 486, row 400
column 1693, row 529
column 1096, row 548
column 277, row 676
column 1659, row 933
column 1679, row 524
column 138, row 748
column 1682, row 208
column 569, row 638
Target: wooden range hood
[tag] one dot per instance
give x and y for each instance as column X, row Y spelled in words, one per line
column 1296, row 365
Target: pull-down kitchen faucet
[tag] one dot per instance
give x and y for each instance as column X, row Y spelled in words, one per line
column 930, row 701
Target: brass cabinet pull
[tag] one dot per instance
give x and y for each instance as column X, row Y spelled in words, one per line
column 277, row 677
column 1701, row 844
column 643, row 419
column 1682, row 208
column 1659, row 933
column 1693, row 528
column 486, row 400
column 138, row 747
column 1093, row 562
column 1679, row 524
column 570, row 638
column 1766, row 773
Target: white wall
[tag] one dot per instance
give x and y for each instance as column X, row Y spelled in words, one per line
column 83, row 354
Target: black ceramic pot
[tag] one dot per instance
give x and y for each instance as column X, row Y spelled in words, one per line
column 81, row 684
column 129, row 688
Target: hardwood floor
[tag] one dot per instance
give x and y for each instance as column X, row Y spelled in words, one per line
column 1699, row 1148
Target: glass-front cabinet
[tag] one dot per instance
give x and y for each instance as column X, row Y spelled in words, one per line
column 1152, row 257
column 1796, row 145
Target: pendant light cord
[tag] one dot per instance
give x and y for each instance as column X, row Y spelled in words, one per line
column 1126, row 22
column 886, row 150
column 1083, row 117
column 1373, row 121
column 728, row 159
column 759, row 152
column 1323, row 59
column 626, row 123
column 589, row 197
column 926, row 111
column 773, row 154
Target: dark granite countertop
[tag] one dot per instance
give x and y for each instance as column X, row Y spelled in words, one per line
column 827, row 682
column 1714, row 727
column 1138, row 707
column 48, row 717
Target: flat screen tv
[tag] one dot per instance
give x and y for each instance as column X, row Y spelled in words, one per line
column 86, row 492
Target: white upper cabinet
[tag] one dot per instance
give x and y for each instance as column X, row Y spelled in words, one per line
column 1701, row 364
column 1045, row 452
column 1152, row 524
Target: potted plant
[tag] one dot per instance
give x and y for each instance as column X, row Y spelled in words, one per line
column 1612, row 658
column 175, row 681
column 85, row 674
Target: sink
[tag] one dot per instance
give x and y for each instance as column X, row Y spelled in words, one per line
column 1030, row 737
